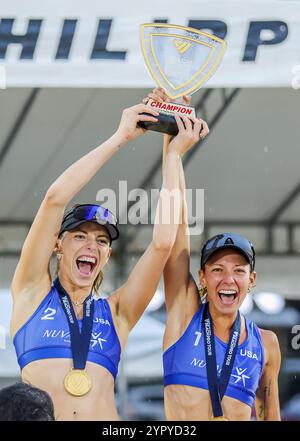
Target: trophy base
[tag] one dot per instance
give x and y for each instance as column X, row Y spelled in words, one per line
column 166, row 119
column 166, row 124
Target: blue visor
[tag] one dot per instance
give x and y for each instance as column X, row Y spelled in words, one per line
column 228, row 240
column 80, row 214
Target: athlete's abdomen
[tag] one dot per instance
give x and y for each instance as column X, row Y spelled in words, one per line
column 98, row 404
column 188, row 403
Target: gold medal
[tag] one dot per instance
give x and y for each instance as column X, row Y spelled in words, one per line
column 219, row 418
column 78, row 382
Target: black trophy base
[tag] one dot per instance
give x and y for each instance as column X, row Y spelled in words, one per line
column 165, row 124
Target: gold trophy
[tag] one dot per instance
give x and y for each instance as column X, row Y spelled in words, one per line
column 180, row 60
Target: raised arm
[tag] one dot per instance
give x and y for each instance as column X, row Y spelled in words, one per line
column 178, row 281
column 133, row 297
column 32, row 274
column 267, row 399
column 177, row 277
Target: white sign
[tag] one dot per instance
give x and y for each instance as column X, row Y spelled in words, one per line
column 97, row 44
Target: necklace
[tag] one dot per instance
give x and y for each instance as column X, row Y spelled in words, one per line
column 76, row 303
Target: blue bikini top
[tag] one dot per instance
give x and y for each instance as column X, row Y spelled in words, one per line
column 46, row 335
column 185, row 362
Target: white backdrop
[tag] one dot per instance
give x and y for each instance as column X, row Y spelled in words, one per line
column 269, row 65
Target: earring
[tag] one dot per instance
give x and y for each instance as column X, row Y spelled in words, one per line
column 249, row 289
column 203, row 294
column 58, row 255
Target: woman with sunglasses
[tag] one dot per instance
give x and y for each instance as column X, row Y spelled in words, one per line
column 217, row 364
column 67, row 341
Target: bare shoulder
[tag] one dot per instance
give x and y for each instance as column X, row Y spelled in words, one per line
column 271, row 345
column 179, row 317
column 28, row 298
column 120, row 323
column 26, row 302
column 113, row 303
column 269, row 338
column 33, row 288
column 186, row 300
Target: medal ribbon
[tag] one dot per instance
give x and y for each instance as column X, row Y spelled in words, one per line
column 217, row 385
column 80, row 342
